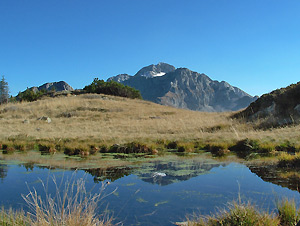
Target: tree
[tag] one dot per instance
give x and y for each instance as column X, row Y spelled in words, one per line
column 4, row 91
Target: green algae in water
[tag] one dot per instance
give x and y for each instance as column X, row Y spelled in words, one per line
column 130, row 184
column 141, row 200
column 160, row 203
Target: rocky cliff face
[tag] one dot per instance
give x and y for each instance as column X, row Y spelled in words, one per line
column 183, row 88
column 278, row 108
column 56, row 86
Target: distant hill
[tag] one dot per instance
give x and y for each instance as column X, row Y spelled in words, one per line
column 278, row 108
column 183, row 88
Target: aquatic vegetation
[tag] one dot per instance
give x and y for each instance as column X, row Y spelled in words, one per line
column 172, row 145
column 47, row 148
column 287, row 146
column 247, row 214
column 218, row 150
column 141, row 200
column 71, row 204
column 288, row 160
column 160, row 203
column 237, row 213
column 244, row 147
column 128, row 148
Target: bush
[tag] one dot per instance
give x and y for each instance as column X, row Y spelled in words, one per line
column 30, row 95
column 112, row 88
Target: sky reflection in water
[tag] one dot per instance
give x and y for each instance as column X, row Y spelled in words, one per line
column 156, row 193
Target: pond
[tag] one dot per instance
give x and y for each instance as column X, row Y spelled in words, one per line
column 156, row 192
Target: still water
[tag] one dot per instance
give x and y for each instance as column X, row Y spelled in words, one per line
column 159, row 192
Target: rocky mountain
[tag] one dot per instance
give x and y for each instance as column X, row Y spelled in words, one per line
column 152, row 70
column 278, row 108
column 183, row 88
column 120, row 78
column 57, row 86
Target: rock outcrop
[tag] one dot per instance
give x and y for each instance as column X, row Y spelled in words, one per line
column 278, row 108
column 183, row 88
column 54, row 86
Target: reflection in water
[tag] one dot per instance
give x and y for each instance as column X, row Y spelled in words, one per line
column 3, row 171
column 281, row 176
column 147, row 193
column 28, row 166
column 168, row 172
column 111, row 173
column 161, row 172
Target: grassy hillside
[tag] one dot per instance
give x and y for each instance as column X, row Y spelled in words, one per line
column 278, row 108
column 109, row 119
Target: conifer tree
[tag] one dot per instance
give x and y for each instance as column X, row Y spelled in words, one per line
column 4, row 91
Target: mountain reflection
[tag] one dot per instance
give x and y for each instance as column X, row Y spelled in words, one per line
column 168, row 172
column 161, row 172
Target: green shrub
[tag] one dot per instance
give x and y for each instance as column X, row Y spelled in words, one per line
column 112, row 88
column 30, row 95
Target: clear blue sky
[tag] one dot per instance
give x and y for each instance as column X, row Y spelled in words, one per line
column 252, row 44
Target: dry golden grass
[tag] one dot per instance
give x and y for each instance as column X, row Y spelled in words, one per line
column 109, row 120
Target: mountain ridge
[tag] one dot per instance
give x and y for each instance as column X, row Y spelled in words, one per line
column 183, row 88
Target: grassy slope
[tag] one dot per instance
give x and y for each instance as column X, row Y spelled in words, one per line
column 111, row 119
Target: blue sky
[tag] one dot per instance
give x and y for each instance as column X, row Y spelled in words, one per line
column 252, row 44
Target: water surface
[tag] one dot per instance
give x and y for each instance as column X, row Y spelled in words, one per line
column 153, row 193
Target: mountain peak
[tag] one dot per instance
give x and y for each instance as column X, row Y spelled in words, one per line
column 182, row 88
column 152, row 70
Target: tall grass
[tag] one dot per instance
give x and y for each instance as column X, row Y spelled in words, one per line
column 70, row 205
column 287, row 212
column 12, row 218
column 247, row 214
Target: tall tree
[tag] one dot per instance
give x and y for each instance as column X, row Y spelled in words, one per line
column 4, row 91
